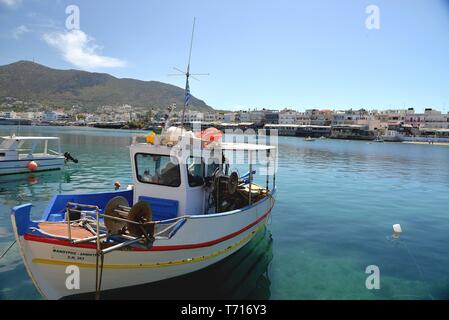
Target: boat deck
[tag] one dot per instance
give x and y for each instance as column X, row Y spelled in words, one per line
column 59, row 229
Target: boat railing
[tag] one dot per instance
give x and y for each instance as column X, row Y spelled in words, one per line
column 160, row 230
column 53, row 152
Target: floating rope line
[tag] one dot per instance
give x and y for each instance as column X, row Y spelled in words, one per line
column 412, row 257
column 6, row 251
column 416, row 264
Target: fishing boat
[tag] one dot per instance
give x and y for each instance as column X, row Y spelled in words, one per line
column 379, row 139
column 182, row 214
column 28, row 154
column 187, row 209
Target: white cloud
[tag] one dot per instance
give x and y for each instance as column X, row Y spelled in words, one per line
column 11, row 3
column 80, row 49
column 19, row 31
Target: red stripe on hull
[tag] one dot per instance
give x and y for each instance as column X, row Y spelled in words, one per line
column 31, row 237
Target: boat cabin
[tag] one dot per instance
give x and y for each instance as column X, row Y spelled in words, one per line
column 23, row 148
column 179, row 181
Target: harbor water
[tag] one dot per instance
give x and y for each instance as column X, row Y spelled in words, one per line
column 336, row 203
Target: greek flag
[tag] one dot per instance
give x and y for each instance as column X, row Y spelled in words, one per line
column 187, row 96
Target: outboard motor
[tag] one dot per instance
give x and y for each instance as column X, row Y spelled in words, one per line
column 68, row 157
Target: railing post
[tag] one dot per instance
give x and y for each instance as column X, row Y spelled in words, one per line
column 250, row 173
column 69, row 230
column 97, row 282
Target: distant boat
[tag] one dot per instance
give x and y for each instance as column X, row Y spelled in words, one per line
column 15, row 121
column 26, row 154
column 109, row 125
column 379, row 139
column 309, row 139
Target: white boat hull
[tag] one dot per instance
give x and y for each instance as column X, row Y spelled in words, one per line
column 21, row 166
column 203, row 240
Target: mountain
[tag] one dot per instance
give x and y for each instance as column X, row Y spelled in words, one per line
column 29, row 81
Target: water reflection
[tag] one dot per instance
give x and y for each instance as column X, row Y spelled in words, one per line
column 29, row 187
column 243, row 275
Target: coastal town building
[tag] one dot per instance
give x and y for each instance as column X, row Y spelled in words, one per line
column 358, row 124
column 288, row 116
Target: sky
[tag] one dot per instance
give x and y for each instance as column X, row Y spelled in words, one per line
column 324, row 54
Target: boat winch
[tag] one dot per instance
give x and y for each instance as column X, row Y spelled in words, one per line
column 119, row 218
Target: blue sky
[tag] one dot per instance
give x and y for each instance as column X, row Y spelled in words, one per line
column 275, row 54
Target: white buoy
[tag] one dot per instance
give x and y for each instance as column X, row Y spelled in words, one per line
column 397, row 228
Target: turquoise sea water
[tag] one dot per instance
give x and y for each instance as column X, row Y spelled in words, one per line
column 336, row 203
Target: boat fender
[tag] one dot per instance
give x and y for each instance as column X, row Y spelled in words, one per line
column 32, row 166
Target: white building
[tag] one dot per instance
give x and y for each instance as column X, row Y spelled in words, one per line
column 192, row 116
column 435, row 119
column 244, row 116
column 50, row 116
column 288, row 116
column 8, row 114
column 256, row 116
column 229, row 117
column 210, row 117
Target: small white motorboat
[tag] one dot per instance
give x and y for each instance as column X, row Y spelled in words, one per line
column 309, row 139
column 28, row 154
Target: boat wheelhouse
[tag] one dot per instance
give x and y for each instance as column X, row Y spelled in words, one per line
column 187, row 209
column 25, row 154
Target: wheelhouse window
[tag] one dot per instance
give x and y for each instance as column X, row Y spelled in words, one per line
column 157, row 169
column 195, row 171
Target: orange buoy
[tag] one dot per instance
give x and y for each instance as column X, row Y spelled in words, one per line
column 32, row 166
column 117, row 185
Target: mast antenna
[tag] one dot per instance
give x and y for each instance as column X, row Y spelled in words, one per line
column 187, row 74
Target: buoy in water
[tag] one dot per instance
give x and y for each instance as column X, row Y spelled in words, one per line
column 117, row 185
column 32, row 166
column 397, row 228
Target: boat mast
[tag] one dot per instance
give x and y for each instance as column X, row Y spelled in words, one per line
column 187, row 74
column 187, row 89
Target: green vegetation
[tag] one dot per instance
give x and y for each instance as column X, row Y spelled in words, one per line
column 136, row 125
